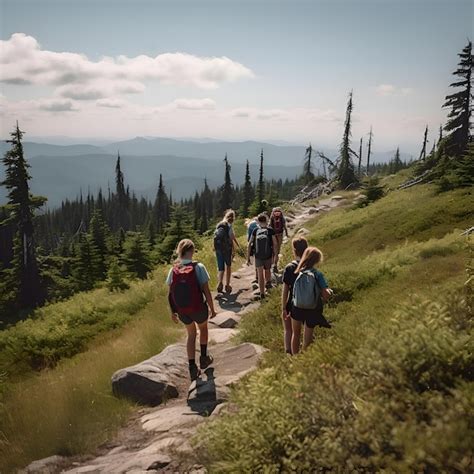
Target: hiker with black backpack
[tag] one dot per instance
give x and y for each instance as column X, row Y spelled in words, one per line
column 224, row 242
column 261, row 246
column 278, row 224
column 309, row 291
column 299, row 245
column 188, row 283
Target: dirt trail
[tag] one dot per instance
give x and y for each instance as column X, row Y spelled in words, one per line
column 158, row 439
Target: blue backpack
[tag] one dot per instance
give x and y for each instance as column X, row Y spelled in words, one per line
column 306, row 292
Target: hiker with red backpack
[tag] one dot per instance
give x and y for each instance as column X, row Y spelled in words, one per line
column 224, row 242
column 278, row 224
column 188, row 283
column 261, row 245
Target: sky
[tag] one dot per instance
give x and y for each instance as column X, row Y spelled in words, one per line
column 231, row 70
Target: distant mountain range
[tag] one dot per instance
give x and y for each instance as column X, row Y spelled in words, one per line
column 61, row 171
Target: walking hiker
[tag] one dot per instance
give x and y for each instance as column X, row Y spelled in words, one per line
column 299, row 245
column 188, row 283
column 262, row 245
column 224, row 241
column 252, row 224
column 278, row 224
column 310, row 289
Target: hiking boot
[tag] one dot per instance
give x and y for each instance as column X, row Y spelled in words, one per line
column 275, row 269
column 268, row 285
column 194, row 372
column 228, row 289
column 220, row 287
column 205, row 361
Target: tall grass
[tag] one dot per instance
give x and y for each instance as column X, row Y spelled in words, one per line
column 70, row 409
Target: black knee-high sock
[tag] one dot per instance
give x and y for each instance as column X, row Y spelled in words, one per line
column 203, row 350
column 192, row 362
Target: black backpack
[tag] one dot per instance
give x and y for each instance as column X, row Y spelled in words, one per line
column 222, row 238
column 263, row 244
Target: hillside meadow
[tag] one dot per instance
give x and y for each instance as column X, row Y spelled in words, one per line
column 55, row 368
column 390, row 387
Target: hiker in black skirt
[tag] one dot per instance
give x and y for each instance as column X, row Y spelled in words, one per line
column 309, row 290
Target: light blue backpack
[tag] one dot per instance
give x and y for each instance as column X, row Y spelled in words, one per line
column 306, row 292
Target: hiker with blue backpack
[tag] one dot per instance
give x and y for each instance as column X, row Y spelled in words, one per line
column 261, row 245
column 308, row 292
column 224, row 242
column 190, row 301
column 299, row 244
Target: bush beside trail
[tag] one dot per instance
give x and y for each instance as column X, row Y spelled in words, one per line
column 391, row 386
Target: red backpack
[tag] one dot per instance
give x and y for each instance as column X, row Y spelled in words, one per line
column 277, row 219
column 185, row 292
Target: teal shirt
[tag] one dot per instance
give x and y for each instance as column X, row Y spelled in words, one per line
column 202, row 274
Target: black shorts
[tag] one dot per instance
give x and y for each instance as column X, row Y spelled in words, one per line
column 198, row 318
column 310, row 317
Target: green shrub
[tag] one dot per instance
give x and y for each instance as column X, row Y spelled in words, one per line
column 385, row 406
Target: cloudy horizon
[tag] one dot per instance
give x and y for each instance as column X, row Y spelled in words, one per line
column 239, row 71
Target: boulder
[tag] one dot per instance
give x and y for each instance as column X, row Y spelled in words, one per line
column 337, row 198
column 153, row 380
column 313, row 210
column 303, row 231
column 47, row 465
column 226, row 319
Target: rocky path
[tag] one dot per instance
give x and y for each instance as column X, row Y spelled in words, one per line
column 157, row 438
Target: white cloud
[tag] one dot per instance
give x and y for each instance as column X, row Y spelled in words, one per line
column 111, row 103
column 392, row 90
column 195, row 104
column 23, row 61
column 55, row 105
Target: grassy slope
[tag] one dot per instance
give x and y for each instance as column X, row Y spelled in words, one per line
column 390, row 386
column 69, row 408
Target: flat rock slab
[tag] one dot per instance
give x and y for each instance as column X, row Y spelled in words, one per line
column 166, row 419
column 153, row 380
column 230, row 365
column 226, row 319
column 219, row 336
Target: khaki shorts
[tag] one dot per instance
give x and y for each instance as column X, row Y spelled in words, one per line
column 266, row 264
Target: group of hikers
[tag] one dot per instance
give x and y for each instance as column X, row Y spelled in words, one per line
column 304, row 290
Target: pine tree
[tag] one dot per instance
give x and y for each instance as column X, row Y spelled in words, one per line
column 23, row 275
column 179, row 228
column 397, row 163
column 369, row 150
column 116, row 277
column 258, row 204
column 423, row 148
column 84, row 265
column 227, row 191
column 247, row 192
column 345, row 173
column 458, row 125
column 136, row 257
column 308, row 175
column 98, row 238
column 161, row 208
column 360, row 158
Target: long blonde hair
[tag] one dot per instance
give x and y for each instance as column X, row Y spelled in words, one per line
column 184, row 246
column 230, row 213
column 311, row 257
